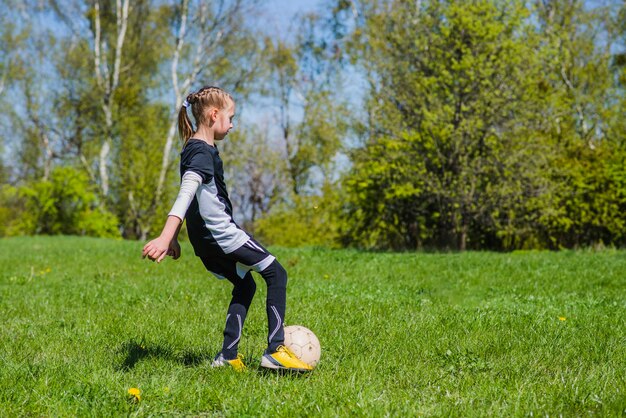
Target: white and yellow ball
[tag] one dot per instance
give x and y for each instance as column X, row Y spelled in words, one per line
column 303, row 343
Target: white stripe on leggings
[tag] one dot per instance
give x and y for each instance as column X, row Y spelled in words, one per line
column 254, row 246
column 269, row 339
column 239, row 336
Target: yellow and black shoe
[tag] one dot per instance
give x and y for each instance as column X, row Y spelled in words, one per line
column 236, row 363
column 284, row 359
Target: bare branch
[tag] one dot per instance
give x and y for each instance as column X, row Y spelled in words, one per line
column 109, row 82
column 180, row 41
column 5, row 74
column 97, row 44
column 579, row 109
column 47, row 166
column 171, row 133
column 122, row 23
column 87, row 167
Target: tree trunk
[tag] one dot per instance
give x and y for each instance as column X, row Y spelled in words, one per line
column 108, row 81
column 463, row 238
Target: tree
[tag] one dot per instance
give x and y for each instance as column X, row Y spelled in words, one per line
column 448, row 81
column 489, row 124
column 579, row 98
column 312, row 116
column 100, row 104
column 303, row 85
column 107, row 70
column 255, row 171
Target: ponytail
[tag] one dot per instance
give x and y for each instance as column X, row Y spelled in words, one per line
column 185, row 129
column 207, row 96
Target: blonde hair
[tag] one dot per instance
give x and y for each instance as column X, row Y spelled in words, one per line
column 207, row 96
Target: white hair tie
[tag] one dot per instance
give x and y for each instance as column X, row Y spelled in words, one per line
column 185, row 104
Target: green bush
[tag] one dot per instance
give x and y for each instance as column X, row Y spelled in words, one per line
column 11, row 209
column 306, row 221
column 64, row 204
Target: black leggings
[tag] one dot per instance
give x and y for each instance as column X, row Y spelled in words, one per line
column 243, row 292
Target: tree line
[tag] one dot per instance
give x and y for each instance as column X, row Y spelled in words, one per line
column 380, row 124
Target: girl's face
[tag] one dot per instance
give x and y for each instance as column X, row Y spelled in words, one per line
column 223, row 121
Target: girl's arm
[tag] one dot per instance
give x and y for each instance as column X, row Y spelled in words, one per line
column 158, row 248
column 174, row 250
column 167, row 242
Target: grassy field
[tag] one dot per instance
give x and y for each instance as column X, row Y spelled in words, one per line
column 472, row 334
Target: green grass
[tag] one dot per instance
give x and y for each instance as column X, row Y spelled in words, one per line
column 84, row 320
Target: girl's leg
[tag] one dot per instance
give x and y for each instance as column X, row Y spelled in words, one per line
column 276, row 278
column 243, row 292
column 244, row 289
column 277, row 355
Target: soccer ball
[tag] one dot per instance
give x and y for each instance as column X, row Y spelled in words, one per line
column 304, row 344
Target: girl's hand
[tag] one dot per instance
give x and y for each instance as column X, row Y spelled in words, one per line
column 157, row 249
column 174, row 249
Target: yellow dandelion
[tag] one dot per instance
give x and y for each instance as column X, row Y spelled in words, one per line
column 562, row 318
column 135, row 393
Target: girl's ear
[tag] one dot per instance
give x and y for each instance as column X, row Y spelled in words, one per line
column 213, row 114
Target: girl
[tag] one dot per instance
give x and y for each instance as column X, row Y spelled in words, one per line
column 225, row 249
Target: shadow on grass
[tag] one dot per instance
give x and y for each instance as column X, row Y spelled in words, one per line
column 263, row 371
column 269, row 373
column 133, row 352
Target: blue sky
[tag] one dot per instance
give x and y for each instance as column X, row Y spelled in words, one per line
column 280, row 14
